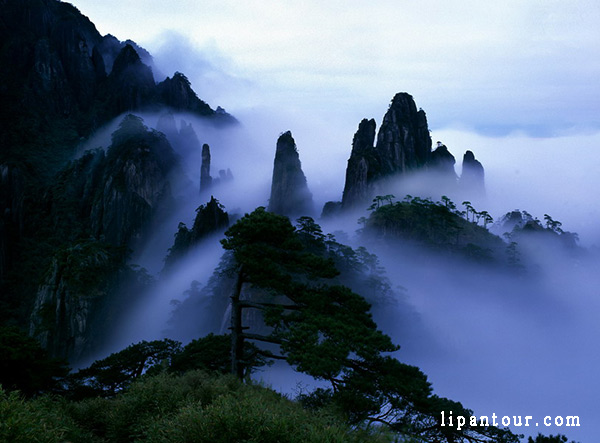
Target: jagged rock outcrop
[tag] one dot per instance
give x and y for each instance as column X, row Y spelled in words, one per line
column 472, row 178
column 109, row 199
column 71, row 297
column 183, row 139
column 363, row 166
column 60, row 80
column 130, row 83
column 289, row 190
column 403, row 141
column 403, row 145
column 210, row 218
column 177, row 93
column 205, row 178
column 110, row 47
column 56, row 68
column 442, row 162
column 135, row 182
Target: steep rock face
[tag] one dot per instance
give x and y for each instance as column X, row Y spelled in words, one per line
column 442, row 162
column 205, row 178
column 110, row 47
column 210, row 218
column 363, row 166
column 177, row 93
column 472, row 178
column 58, row 71
column 188, row 140
column 131, row 83
column 69, row 298
column 59, row 81
column 403, row 145
column 109, row 200
column 135, row 181
column 289, row 190
column 183, row 139
column 56, row 35
column 403, row 141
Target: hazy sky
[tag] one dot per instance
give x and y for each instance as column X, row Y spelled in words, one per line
column 496, row 67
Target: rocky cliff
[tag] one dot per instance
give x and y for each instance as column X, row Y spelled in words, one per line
column 210, row 218
column 100, row 205
column 57, row 70
column 72, row 296
column 130, row 85
column 403, row 146
column 472, row 177
column 289, row 191
column 363, row 166
column 205, row 178
column 134, row 183
column 403, row 141
column 442, row 163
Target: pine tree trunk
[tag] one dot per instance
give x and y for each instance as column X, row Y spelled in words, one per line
column 237, row 339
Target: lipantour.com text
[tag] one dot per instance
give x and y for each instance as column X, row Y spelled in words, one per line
column 461, row 421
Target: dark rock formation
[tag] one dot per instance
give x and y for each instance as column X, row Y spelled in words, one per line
column 56, row 69
column 113, row 195
column 403, row 141
column 363, row 166
column 403, row 145
column 442, row 162
column 110, row 200
column 135, row 182
column 177, row 93
column 210, row 218
column 110, row 47
column 289, row 191
column 70, row 298
column 331, row 209
column 131, row 84
column 472, row 176
column 60, row 80
column 205, row 178
column 184, row 140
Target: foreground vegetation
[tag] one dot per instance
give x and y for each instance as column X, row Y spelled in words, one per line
column 164, row 391
column 195, row 407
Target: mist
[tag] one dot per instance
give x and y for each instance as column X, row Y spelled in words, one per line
column 499, row 342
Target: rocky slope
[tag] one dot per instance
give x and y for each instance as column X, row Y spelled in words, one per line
column 289, row 191
column 60, row 80
column 99, row 207
column 403, row 146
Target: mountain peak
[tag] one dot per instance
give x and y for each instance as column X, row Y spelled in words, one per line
column 289, row 191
